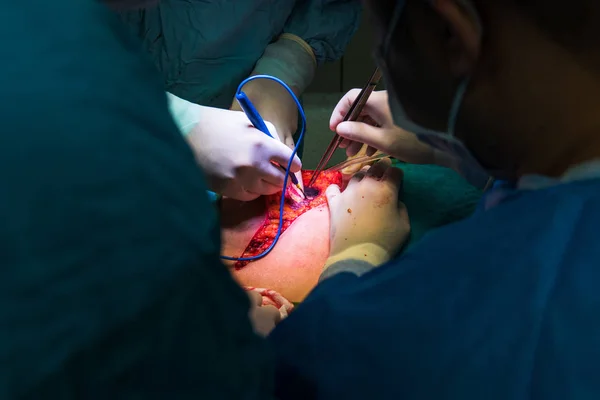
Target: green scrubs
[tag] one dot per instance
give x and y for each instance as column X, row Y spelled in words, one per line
column 205, row 48
column 111, row 284
column 435, row 197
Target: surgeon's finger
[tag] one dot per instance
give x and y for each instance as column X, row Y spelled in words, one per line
column 272, row 316
column 342, row 107
column 371, row 151
column 260, row 185
column 377, row 171
column 280, row 153
column 255, row 298
column 272, row 180
column 373, row 113
column 265, row 171
column 379, row 138
column 367, row 119
column 354, row 148
column 267, row 189
column 345, row 143
column 273, row 312
column 264, row 319
column 234, row 190
column 273, row 130
column 241, row 194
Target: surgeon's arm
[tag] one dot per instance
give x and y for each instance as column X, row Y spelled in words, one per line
column 185, row 113
column 317, row 31
column 293, row 61
column 325, row 25
column 111, row 247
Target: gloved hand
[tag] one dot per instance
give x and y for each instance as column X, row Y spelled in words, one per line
column 274, row 104
column 379, row 132
column 263, row 318
column 236, row 157
column 367, row 221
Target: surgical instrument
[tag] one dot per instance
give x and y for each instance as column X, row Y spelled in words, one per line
column 359, row 160
column 352, row 115
column 256, row 120
column 301, row 131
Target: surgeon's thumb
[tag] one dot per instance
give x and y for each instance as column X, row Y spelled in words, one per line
column 281, row 154
column 364, row 133
column 296, row 164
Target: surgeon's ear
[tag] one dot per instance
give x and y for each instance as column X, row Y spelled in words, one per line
column 464, row 39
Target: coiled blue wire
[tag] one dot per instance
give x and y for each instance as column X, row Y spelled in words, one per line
column 287, row 170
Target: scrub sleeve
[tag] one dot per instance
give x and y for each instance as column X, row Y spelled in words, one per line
column 111, row 284
column 186, row 115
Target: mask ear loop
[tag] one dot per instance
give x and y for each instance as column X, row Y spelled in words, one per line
column 397, row 13
column 464, row 84
column 456, row 103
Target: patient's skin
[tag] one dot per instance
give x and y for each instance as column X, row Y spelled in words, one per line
column 293, row 267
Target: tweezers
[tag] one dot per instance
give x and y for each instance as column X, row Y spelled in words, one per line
column 352, row 115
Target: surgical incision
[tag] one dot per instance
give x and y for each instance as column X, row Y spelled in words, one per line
column 294, row 206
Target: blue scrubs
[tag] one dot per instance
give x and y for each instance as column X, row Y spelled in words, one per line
column 502, row 305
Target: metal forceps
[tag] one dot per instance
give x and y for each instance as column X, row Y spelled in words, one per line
column 352, row 115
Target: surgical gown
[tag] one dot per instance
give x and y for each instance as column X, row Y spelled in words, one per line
column 206, row 48
column 502, row 305
column 110, row 281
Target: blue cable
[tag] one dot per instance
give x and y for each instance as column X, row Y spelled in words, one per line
column 287, row 170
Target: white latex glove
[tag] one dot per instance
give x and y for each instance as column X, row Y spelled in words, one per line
column 367, row 221
column 379, row 132
column 236, row 157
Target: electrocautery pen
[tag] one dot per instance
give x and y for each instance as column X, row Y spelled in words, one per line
column 259, row 124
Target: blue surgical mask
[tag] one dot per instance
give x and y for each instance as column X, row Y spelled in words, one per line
column 445, row 142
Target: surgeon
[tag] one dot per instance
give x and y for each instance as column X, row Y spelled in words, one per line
column 504, row 304
column 111, row 283
column 204, row 49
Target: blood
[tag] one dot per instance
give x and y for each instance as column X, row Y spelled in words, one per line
column 294, row 206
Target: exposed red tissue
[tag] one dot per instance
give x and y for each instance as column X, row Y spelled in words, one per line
column 294, row 206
